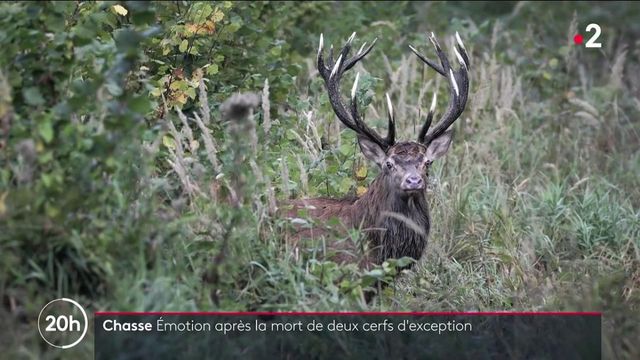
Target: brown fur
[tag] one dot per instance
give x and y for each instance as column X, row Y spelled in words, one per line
column 395, row 223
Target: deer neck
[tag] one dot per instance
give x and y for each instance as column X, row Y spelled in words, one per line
column 396, row 225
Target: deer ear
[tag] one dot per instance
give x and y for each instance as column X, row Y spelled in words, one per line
column 439, row 145
column 372, row 151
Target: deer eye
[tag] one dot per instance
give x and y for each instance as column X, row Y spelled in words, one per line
column 390, row 165
column 426, row 165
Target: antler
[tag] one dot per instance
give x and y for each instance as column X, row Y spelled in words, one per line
column 458, row 88
column 332, row 74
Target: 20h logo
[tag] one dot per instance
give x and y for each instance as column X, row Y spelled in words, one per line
column 63, row 323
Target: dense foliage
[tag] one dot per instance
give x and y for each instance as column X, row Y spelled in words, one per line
column 124, row 185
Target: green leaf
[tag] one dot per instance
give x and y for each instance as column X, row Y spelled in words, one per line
column 276, row 51
column 405, row 261
column 33, row 96
column 376, row 273
column 47, row 180
column 206, row 11
column 51, row 210
column 113, row 88
column 346, row 148
column 45, row 129
column 169, row 142
column 45, row 157
column 179, row 85
column 218, row 16
column 191, row 92
column 212, row 69
column 345, row 184
column 183, row 45
column 140, row 104
column 234, row 27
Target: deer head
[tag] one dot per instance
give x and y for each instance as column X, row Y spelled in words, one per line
column 404, row 165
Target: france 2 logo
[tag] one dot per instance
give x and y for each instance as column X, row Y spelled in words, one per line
column 578, row 39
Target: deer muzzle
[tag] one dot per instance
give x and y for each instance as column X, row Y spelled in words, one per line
column 412, row 182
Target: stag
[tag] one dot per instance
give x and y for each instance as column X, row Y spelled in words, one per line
column 394, row 213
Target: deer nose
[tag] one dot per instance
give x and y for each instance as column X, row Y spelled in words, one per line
column 413, row 182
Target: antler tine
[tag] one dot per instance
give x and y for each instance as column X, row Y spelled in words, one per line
column 320, row 46
column 458, row 88
column 427, row 123
column 355, row 88
column 391, row 134
column 431, row 64
column 332, row 74
column 441, row 55
column 322, row 69
column 462, row 50
column 352, row 62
